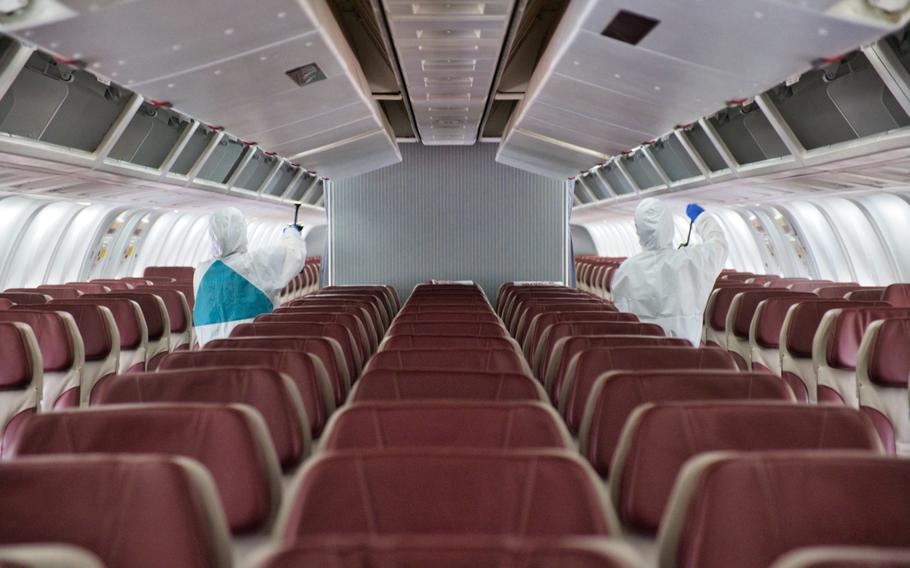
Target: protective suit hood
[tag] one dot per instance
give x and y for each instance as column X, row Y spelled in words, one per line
column 654, row 223
column 227, row 228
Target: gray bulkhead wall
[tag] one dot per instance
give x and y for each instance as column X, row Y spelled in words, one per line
column 449, row 213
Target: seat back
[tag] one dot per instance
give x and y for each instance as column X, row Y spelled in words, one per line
column 231, row 442
column 111, row 284
column 836, row 291
column 796, row 336
column 616, row 395
column 898, row 295
column 882, row 371
column 100, row 342
column 88, row 287
column 56, row 292
column 534, row 308
column 20, row 380
column 766, row 495
column 568, row 347
column 739, row 321
column 131, row 329
column 371, row 305
column 84, row 500
column 716, row 312
column 178, row 273
column 507, row 360
column 357, row 320
column 445, row 385
column 157, row 321
column 26, row 298
column 457, row 328
column 542, row 322
column 406, row 316
column 62, row 354
column 266, row 390
column 535, row 493
column 306, row 371
column 400, row 342
column 441, row 424
column 328, row 351
column 872, row 294
column 809, row 285
column 389, row 292
column 835, row 350
column 590, row 364
column 602, row 325
column 454, row 552
column 660, row 438
column 377, row 299
column 845, row 557
column 337, row 332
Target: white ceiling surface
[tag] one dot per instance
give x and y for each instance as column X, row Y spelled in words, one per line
column 592, row 96
column 878, row 172
column 224, row 63
column 40, row 178
column 448, row 51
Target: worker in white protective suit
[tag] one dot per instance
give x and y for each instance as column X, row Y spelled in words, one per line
column 237, row 284
column 667, row 286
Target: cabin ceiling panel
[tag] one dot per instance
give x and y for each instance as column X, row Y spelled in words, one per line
column 305, row 127
column 534, row 153
column 700, row 54
column 353, row 157
column 312, row 139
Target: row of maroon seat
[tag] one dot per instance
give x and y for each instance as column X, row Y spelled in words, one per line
column 689, row 444
column 304, row 283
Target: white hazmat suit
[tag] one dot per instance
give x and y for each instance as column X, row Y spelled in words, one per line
column 667, row 286
column 237, row 285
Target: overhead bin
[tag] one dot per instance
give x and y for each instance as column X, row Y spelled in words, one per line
column 256, row 171
column 705, row 148
column 194, row 148
column 151, row 135
column 279, row 183
column 225, row 159
column 639, row 167
column 748, row 134
column 674, row 159
column 55, row 103
column 618, row 182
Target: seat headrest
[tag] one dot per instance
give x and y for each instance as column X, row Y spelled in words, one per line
column 148, row 303
column 93, row 326
column 897, row 295
column 125, row 315
column 384, row 384
column 17, row 356
column 26, row 298
column 847, row 332
column 437, row 328
column 748, row 302
column 804, row 322
column 54, row 337
column 888, row 358
column 491, row 360
column 723, row 297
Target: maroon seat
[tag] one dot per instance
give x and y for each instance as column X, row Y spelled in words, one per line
column 61, row 352
column 811, row 285
column 20, row 380
column 543, row 321
column 178, row 273
column 521, row 306
column 157, row 321
column 306, row 371
column 840, row 335
column 391, row 295
column 796, row 336
column 529, row 310
column 490, row 360
column 872, row 294
column 746, row 510
column 616, row 395
column 179, row 313
column 88, row 287
column 739, row 320
column 447, row 317
column 334, row 331
column 716, row 311
column 737, row 276
column 458, row 328
column 45, row 555
column 118, row 285
column 787, row 282
column 882, row 372
column 231, row 442
column 533, row 493
column 56, row 292
column 448, row 385
column 456, row 307
column 6, row 304
column 762, row 279
column 130, row 326
column 399, row 342
column 442, row 424
column 590, row 364
column 327, row 303
column 897, row 295
column 378, row 296
column 453, row 552
column 264, row 389
column 327, row 350
column 568, row 347
column 836, row 291
column 509, row 310
column 184, row 288
column 508, row 289
column 660, row 438
column 357, row 320
column 26, row 298
column 606, row 323
column 845, row 557
column 97, row 329
column 142, row 511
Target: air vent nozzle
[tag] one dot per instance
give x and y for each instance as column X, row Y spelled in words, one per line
column 306, row 74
